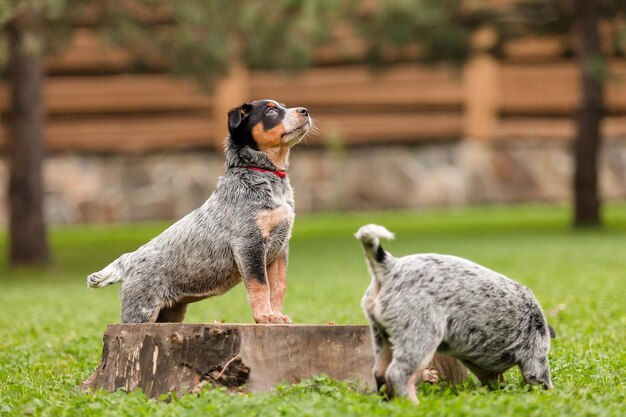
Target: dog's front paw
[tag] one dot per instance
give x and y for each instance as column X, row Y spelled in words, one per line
column 262, row 318
column 285, row 319
column 272, row 319
column 430, row 375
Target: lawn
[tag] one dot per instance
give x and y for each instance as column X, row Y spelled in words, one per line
column 52, row 324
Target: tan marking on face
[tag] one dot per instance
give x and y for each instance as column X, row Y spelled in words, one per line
column 259, row 299
column 277, row 141
column 267, row 220
column 267, row 139
column 271, row 142
column 277, row 278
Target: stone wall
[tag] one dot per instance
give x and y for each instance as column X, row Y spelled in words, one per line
column 106, row 188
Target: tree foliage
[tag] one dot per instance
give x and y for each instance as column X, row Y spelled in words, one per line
column 202, row 38
column 56, row 17
column 443, row 28
column 431, row 24
column 193, row 37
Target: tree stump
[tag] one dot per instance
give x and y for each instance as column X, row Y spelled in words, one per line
column 172, row 357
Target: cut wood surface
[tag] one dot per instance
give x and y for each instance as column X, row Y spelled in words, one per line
column 174, row 357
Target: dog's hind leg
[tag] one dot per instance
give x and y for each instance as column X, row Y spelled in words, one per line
column 174, row 314
column 382, row 354
column 404, row 374
column 140, row 313
column 139, row 304
column 398, row 376
column 411, row 356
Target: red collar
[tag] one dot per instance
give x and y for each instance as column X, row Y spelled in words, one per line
column 281, row 174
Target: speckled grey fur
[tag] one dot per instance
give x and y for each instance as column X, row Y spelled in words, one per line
column 426, row 303
column 211, row 249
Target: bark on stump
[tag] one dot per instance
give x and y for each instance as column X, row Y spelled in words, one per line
column 173, row 357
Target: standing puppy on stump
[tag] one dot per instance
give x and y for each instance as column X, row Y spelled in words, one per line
column 421, row 304
column 240, row 234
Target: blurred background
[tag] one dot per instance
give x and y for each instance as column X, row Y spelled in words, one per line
column 115, row 111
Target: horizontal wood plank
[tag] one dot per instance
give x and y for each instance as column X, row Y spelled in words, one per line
column 353, row 104
column 137, row 135
column 360, row 86
column 132, row 135
column 118, row 94
column 144, row 133
column 553, row 89
column 535, row 48
column 371, row 128
column 87, row 52
column 555, row 128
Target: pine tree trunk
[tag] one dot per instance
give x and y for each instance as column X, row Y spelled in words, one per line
column 588, row 140
column 27, row 229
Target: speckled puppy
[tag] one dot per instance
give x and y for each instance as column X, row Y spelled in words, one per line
column 426, row 303
column 240, row 233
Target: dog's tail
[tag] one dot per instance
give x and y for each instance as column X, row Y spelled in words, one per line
column 370, row 235
column 109, row 275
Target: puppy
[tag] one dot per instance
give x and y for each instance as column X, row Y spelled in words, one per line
column 241, row 233
column 426, row 303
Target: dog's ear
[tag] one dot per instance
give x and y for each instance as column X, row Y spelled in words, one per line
column 237, row 115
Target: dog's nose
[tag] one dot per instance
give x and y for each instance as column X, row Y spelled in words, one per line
column 303, row 111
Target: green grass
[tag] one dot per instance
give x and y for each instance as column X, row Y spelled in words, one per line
column 51, row 325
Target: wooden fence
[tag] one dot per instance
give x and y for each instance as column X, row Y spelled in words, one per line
column 94, row 105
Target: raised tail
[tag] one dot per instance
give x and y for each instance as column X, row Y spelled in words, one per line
column 109, row 275
column 370, row 235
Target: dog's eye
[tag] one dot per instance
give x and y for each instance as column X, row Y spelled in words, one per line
column 272, row 112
